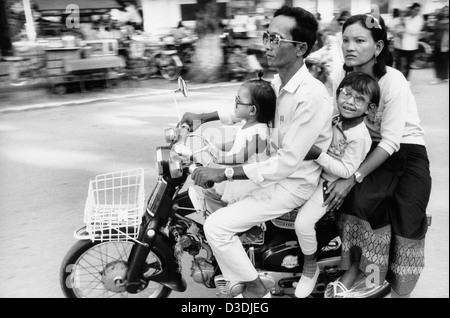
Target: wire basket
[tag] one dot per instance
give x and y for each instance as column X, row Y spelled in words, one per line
column 115, row 205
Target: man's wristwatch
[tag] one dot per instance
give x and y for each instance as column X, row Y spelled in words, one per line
column 358, row 177
column 229, row 173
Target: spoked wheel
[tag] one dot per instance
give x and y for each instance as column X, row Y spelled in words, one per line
column 98, row 270
column 169, row 67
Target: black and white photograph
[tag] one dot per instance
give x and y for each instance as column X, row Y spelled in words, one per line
column 207, row 150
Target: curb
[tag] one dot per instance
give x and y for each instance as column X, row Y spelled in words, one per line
column 99, row 99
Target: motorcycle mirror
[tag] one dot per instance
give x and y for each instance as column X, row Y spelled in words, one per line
column 182, row 87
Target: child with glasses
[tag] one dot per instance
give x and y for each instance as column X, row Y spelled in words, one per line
column 255, row 104
column 357, row 94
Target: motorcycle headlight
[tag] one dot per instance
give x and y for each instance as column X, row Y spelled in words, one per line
column 169, row 162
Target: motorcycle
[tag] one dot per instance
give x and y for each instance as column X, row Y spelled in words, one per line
column 185, row 48
column 144, row 60
column 130, row 247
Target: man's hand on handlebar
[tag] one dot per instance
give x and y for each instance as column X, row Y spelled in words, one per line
column 203, row 176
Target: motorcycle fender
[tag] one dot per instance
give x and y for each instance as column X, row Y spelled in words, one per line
column 163, row 247
column 171, row 275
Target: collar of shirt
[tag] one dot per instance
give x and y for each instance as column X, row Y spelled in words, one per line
column 293, row 83
column 347, row 123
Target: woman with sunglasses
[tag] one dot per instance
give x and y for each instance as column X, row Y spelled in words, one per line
column 383, row 218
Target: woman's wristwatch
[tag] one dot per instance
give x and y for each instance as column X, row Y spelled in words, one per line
column 358, row 177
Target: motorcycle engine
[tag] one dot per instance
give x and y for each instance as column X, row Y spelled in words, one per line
column 201, row 271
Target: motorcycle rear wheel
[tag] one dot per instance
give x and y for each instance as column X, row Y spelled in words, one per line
column 97, row 269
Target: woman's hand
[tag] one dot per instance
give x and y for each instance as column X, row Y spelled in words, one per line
column 338, row 191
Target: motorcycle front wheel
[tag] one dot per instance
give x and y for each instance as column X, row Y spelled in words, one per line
column 98, row 270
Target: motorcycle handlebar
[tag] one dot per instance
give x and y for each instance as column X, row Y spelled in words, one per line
column 192, row 167
column 183, row 133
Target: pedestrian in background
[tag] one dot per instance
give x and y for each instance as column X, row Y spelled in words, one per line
column 397, row 28
column 441, row 47
column 410, row 39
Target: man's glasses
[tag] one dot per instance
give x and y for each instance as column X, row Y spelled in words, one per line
column 275, row 40
column 360, row 100
column 237, row 102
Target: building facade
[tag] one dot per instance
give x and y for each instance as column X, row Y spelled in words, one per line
column 160, row 15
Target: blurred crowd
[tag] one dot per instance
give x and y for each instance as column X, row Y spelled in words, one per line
column 409, row 28
column 417, row 40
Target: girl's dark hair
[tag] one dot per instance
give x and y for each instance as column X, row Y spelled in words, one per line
column 263, row 97
column 306, row 26
column 377, row 28
column 363, row 83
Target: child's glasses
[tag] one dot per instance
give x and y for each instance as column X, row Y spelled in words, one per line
column 359, row 99
column 237, row 102
column 275, row 40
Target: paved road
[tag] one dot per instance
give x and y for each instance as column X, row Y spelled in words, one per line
column 49, row 154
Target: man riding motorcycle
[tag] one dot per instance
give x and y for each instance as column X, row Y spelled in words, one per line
column 303, row 119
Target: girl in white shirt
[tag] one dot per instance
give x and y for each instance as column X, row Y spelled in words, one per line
column 356, row 95
column 255, row 105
